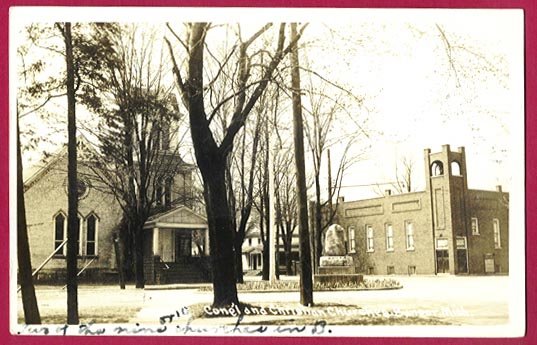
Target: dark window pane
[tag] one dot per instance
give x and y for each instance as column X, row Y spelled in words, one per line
column 90, row 250
column 58, row 235
column 90, row 236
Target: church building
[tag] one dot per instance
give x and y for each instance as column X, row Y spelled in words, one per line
column 445, row 229
column 175, row 236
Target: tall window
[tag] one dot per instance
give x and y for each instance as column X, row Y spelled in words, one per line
column 370, row 244
column 475, row 227
column 389, row 238
column 352, row 242
column 455, row 168
column 59, row 228
column 409, row 233
column 159, row 194
column 437, row 168
column 168, row 192
column 60, row 233
column 497, row 238
column 91, row 235
column 78, row 226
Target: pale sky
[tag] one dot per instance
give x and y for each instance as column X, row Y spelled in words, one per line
column 396, row 61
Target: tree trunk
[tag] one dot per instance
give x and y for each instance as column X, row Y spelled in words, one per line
column 238, row 259
column 306, row 284
column 73, row 223
column 139, row 254
column 288, row 261
column 266, row 242
column 29, row 301
column 318, row 222
column 221, row 236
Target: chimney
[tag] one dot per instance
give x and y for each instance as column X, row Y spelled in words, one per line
column 387, row 192
column 341, row 200
column 499, row 188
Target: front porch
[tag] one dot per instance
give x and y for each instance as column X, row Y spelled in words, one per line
column 176, row 248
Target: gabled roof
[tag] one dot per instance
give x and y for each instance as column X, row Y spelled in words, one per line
column 179, row 217
column 87, row 149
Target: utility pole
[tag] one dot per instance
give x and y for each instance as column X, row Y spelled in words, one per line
column 73, row 224
column 306, row 285
column 273, row 231
column 330, row 206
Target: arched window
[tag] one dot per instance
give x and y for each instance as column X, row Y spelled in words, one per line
column 455, row 168
column 91, row 235
column 59, row 231
column 437, row 168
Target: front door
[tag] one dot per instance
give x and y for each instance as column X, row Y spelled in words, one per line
column 442, row 261
column 462, row 262
column 183, row 246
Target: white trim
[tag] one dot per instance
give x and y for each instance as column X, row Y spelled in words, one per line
column 187, row 226
column 64, row 249
column 407, row 228
column 155, row 241
column 96, row 240
column 389, row 226
column 496, row 225
column 476, row 225
column 352, row 239
column 369, row 249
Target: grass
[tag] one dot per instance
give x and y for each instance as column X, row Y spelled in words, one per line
column 111, row 314
column 334, row 314
column 293, row 285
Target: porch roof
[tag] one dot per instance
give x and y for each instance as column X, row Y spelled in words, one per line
column 177, row 218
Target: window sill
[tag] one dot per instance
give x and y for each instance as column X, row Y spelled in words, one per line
column 62, row 256
column 370, row 251
column 389, row 250
column 475, row 234
column 410, row 249
column 352, row 251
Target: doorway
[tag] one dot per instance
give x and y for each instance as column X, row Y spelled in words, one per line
column 183, row 246
column 462, row 261
column 442, row 261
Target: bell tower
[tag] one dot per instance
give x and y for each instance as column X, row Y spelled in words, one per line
column 447, row 187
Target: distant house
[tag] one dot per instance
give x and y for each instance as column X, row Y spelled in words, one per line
column 252, row 251
column 448, row 228
column 176, row 244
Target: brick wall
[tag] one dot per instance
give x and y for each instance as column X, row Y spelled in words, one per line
column 394, row 210
column 47, row 196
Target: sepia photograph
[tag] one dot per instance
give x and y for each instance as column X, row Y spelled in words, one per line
column 267, row 172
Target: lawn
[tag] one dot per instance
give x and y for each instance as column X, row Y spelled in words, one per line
column 335, row 314
column 96, row 304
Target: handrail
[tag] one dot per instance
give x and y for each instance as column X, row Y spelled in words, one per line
column 46, row 260
column 82, row 270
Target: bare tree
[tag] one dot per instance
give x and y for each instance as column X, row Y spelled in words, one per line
column 286, row 203
column 29, row 301
column 324, row 112
column 212, row 155
column 241, row 192
column 136, row 162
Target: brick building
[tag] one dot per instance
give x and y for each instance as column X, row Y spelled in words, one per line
column 175, row 235
column 448, row 228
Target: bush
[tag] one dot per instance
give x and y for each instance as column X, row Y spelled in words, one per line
column 292, row 285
